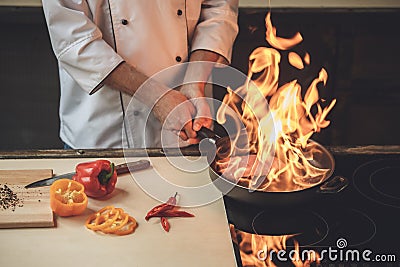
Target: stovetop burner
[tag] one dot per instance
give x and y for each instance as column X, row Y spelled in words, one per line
column 317, row 228
column 356, row 227
column 363, row 216
column 379, row 181
column 308, row 227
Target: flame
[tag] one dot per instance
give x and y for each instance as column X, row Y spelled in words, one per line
column 279, row 42
column 295, row 60
column 261, row 250
column 278, row 122
column 307, row 59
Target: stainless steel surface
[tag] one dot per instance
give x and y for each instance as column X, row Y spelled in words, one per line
column 100, row 153
column 160, row 152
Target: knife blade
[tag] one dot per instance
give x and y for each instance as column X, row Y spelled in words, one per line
column 120, row 168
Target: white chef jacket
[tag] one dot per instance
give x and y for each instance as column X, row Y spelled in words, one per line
column 91, row 38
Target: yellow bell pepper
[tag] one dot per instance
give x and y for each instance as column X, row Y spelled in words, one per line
column 67, row 198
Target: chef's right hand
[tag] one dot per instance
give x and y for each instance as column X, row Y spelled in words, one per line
column 175, row 112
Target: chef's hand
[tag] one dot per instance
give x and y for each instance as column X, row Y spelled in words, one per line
column 128, row 79
column 175, row 112
column 195, row 93
column 201, row 63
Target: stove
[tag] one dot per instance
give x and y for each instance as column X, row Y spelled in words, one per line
column 359, row 226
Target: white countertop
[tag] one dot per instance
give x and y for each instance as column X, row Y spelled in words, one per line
column 265, row 3
column 200, row 241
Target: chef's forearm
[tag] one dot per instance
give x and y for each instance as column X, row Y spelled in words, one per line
column 201, row 71
column 128, row 79
column 125, row 78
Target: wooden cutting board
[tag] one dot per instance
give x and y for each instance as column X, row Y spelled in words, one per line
column 24, row 207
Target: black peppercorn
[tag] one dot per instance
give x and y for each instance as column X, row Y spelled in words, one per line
column 9, row 199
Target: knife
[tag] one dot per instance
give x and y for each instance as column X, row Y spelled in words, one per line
column 120, row 168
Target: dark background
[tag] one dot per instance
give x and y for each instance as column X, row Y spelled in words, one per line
column 359, row 48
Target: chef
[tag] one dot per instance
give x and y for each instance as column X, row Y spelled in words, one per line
column 107, row 50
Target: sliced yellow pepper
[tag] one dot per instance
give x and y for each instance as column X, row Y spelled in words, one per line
column 111, row 220
column 67, row 198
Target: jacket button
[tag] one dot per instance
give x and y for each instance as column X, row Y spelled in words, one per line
column 124, row 21
column 136, row 113
column 178, row 59
column 179, row 12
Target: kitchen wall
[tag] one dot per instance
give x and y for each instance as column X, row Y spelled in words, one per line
column 29, row 81
column 357, row 46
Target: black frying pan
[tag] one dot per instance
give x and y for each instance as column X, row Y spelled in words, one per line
column 258, row 198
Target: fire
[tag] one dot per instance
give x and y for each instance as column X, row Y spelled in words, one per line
column 278, row 42
column 295, row 60
column 278, row 122
column 268, row 251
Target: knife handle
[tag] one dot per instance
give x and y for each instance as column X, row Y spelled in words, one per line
column 133, row 166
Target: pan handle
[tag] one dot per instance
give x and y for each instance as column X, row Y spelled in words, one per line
column 205, row 133
column 334, row 185
column 221, row 146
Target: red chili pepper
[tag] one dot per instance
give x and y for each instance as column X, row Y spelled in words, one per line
column 158, row 209
column 165, row 224
column 164, row 221
column 169, row 205
column 168, row 209
column 172, row 213
column 98, row 177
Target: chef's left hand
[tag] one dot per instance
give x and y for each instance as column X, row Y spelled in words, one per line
column 202, row 64
column 195, row 93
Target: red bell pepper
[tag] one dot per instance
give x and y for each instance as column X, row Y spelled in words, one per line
column 98, row 177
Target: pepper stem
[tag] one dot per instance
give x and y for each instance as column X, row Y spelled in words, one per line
column 104, row 176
